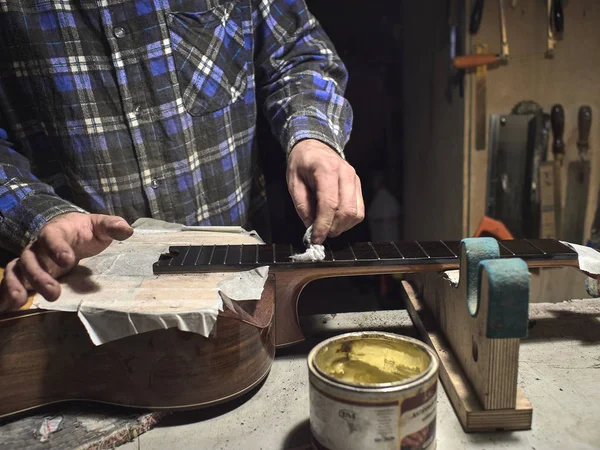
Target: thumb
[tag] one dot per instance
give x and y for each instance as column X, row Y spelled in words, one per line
column 111, row 227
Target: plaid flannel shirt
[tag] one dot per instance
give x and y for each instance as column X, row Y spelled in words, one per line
column 147, row 108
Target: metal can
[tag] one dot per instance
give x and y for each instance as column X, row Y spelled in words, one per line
column 373, row 390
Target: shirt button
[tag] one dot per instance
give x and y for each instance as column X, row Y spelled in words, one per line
column 154, row 184
column 119, row 32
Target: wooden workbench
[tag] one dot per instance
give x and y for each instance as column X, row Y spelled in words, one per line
column 559, row 372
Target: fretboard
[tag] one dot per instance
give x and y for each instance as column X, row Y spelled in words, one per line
column 209, row 258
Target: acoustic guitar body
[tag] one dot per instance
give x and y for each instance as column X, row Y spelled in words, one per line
column 47, row 357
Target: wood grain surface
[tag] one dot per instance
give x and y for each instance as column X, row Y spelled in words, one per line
column 47, row 357
column 465, row 401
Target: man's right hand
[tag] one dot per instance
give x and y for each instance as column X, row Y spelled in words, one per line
column 61, row 244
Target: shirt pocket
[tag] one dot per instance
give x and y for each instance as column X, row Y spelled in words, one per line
column 212, row 53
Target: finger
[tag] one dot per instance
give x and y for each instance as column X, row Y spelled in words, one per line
column 107, row 228
column 360, row 202
column 52, row 245
column 13, row 294
column 303, row 201
column 346, row 214
column 39, row 279
column 327, row 194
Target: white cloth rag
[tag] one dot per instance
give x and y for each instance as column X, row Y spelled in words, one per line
column 313, row 252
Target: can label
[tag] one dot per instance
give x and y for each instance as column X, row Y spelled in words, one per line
column 338, row 425
column 417, row 422
column 409, row 425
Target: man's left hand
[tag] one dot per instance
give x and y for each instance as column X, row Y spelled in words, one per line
column 325, row 189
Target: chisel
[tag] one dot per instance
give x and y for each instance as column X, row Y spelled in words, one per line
column 476, row 16
column 557, row 118
column 546, row 186
column 578, row 182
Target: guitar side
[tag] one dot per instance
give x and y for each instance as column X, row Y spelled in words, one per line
column 47, row 357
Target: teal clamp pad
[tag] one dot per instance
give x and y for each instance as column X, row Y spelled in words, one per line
column 508, row 298
column 508, row 295
column 477, row 250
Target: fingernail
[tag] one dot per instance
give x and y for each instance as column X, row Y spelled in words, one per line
column 15, row 293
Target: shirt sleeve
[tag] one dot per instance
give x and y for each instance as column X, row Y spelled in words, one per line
column 301, row 80
column 26, row 204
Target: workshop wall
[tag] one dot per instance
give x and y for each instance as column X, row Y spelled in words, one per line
column 444, row 175
column 570, row 79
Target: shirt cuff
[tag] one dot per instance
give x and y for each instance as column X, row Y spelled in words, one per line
column 300, row 128
column 23, row 225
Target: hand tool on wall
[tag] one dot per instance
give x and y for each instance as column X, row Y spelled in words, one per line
column 557, row 117
column 473, row 61
column 476, row 16
column 481, row 102
column 550, row 36
column 578, row 182
column 558, row 18
column 555, row 23
column 456, row 44
column 546, row 186
column 536, row 147
column 511, row 149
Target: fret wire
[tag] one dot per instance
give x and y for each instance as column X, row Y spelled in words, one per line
column 446, row 245
column 421, row 247
column 274, row 259
column 226, row 252
column 198, row 255
column 241, row 253
column 212, row 253
column 256, row 253
column 352, row 250
column 506, row 248
column 331, row 251
column 373, row 248
column 187, row 250
column 535, row 246
column 397, row 249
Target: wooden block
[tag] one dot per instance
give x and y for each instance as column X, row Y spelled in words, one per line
column 483, row 317
column 469, row 409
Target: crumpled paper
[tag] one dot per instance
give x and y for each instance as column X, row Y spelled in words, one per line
column 115, row 294
column 589, row 258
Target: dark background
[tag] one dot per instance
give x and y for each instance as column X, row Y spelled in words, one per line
column 368, row 40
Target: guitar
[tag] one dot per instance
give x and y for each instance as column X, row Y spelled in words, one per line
column 47, row 357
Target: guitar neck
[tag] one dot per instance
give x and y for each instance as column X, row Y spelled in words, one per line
column 218, row 258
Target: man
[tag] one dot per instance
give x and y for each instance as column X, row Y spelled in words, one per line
column 115, row 110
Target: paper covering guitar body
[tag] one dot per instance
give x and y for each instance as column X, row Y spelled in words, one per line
column 47, row 357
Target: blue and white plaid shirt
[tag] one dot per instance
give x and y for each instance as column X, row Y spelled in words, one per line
column 147, row 108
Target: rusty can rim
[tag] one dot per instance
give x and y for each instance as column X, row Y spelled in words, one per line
column 431, row 369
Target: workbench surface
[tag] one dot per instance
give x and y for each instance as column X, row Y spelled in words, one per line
column 559, row 372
